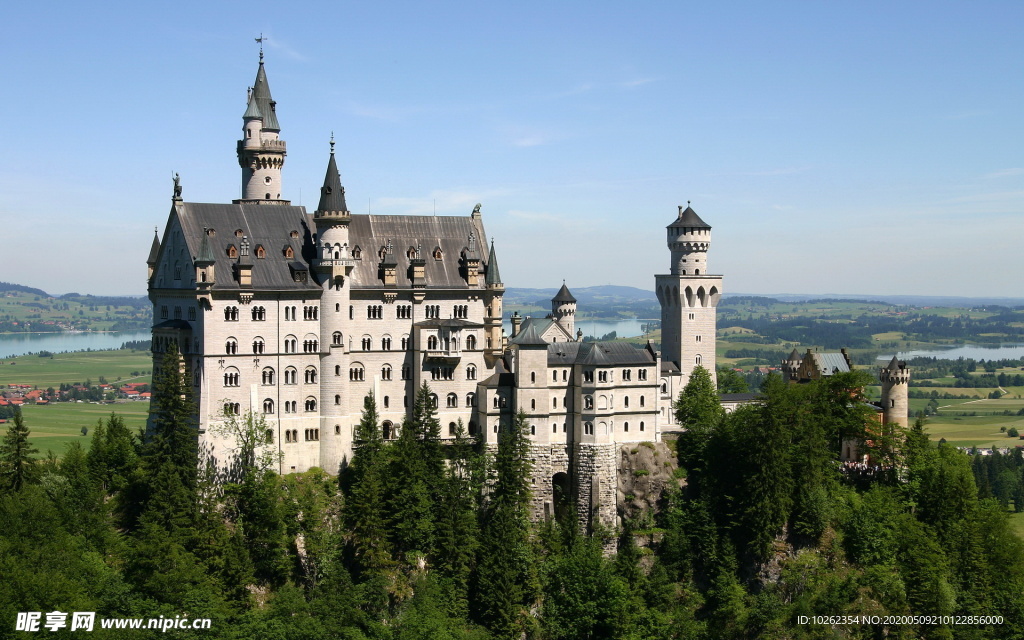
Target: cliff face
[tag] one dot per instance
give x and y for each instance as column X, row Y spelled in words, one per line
column 645, row 471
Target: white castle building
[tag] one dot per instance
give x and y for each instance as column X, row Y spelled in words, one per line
column 298, row 316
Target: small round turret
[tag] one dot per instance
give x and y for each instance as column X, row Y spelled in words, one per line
column 895, row 379
column 563, row 308
column 689, row 238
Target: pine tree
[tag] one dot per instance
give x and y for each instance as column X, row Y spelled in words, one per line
column 457, row 536
column 17, row 466
column 416, row 469
column 699, row 410
column 506, row 584
column 365, row 502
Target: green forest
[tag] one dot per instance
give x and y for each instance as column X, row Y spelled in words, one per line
column 420, row 539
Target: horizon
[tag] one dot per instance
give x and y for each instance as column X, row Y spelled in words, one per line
column 831, row 148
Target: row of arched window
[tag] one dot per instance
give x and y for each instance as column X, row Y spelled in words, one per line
column 267, row 376
column 259, row 313
column 290, row 344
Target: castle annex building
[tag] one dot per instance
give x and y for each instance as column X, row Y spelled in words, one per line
column 297, row 316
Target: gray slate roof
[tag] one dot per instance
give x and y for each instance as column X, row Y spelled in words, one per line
column 829, row 363
column 252, row 111
column 531, row 333
column 493, row 277
column 265, row 103
column 154, row 250
column 689, row 218
column 563, row 295
column 599, row 354
column 267, row 225
column 332, row 194
column 449, row 233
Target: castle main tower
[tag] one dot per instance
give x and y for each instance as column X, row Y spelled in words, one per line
column 895, row 379
column 261, row 152
column 689, row 296
column 563, row 309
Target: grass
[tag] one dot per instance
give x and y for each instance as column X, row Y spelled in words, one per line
column 74, row 367
column 54, row 426
column 975, row 431
column 41, row 313
column 1017, row 523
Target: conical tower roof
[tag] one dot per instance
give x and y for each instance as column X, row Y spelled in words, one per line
column 264, row 102
column 689, row 218
column 563, row 295
column 252, row 112
column 894, row 364
column 332, row 194
column 493, row 277
column 154, row 251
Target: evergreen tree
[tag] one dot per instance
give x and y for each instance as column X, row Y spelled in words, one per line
column 365, row 514
column 506, row 583
column 17, row 466
column 415, row 470
column 699, row 410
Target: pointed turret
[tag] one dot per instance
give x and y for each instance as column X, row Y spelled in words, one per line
column 493, row 277
column 332, row 194
column 563, row 309
column 261, row 152
column 265, row 103
column 154, row 255
column 563, row 295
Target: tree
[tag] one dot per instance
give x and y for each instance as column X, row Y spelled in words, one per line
column 729, row 381
column 699, row 410
column 365, row 512
column 506, row 582
column 16, row 463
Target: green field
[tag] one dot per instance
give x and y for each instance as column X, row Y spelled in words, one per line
column 20, row 311
column 54, row 426
column 78, row 366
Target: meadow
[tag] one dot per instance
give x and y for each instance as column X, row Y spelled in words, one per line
column 55, row 426
column 122, row 365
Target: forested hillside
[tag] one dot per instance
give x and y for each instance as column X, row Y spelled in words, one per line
column 417, row 539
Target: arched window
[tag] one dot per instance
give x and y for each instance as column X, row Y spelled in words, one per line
column 290, row 375
column 389, row 429
column 290, row 344
column 433, row 400
column 356, row 373
column 232, row 409
column 405, row 343
column 588, row 402
column 452, row 401
column 231, row 346
column 337, row 399
column 533, row 429
column 385, row 372
column 268, row 376
column 268, row 406
column 432, row 343
column 336, row 338
column 367, row 343
column 471, row 343
column 310, row 376
column 259, row 313
column 641, row 401
column 451, row 429
column 698, row 359
column 231, row 377
column 641, row 425
column 310, row 403
column 554, row 403
column 385, row 343
column 471, row 372
column 533, row 376
column 625, row 402
column 625, row 426
column 588, row 428
column 231, row 314
column 470, row 399
column 257, row 345
column 387, row 402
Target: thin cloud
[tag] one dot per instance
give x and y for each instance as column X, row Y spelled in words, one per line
column 282, row 47
column 1015, row 171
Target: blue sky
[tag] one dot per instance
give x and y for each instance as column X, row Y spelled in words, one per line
column 873, row 148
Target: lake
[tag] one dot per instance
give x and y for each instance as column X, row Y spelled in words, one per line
column 975, row 352
column 597, row 328
column 17, row 344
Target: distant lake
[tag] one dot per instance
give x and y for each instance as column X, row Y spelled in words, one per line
column 597, row 328
column 974, row 352
column 17, row 344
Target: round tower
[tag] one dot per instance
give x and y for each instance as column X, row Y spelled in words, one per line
column 688, row 296
column 563, row 308
column 895, row 379
column 791, row 366
column 261, row 152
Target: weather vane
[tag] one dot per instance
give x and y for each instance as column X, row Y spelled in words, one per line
column 260, row 41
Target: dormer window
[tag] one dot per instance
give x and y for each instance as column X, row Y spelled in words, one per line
column 239, row 233
column 289, row 252
column 232, row 251
column 437, row 253
column 261, row 253
column 357, row 253
column 410, row 253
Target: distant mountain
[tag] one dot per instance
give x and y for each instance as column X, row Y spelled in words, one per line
column 599, row 295
column 911, row 300
column 7, row 286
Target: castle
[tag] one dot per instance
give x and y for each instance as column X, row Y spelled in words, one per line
column 298, row 316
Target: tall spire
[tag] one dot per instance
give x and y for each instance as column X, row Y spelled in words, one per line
column 332, row 194
column 264, row 102
column 154, row 250
column 493, row 277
